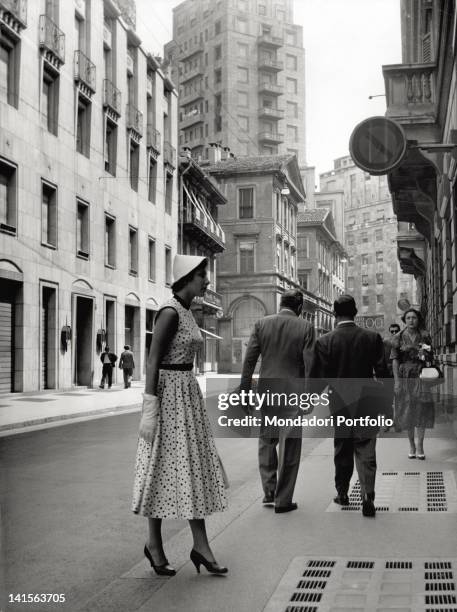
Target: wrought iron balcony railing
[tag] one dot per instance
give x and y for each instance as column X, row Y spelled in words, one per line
column 52, row 38
column 84, row 70
column 111, row 96
column 134, row 119
column 17, row 8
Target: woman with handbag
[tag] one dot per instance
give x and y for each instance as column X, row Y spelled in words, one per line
column 411, row 352
column 178, row 472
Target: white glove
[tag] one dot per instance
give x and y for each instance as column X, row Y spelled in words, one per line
column 149, row 417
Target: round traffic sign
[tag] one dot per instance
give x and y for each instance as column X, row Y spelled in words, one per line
column 377, row 145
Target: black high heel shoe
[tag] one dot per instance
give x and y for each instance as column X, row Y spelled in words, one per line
column 212, row 567
column 160, row 570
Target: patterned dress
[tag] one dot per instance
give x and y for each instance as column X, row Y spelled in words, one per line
column 414, row 403
column 178, row 475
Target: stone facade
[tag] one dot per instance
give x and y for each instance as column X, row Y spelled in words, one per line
column 88, row 192
column 240, row 69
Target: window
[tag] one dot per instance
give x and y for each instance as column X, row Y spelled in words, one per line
column 303, row 279
column 366, row 217
column 365, row 300
column 83, row 127
column 9, row 70
column 152, row 259
column 350, row 239
column 167, row 265
column 379, row 278
column 380, row 214
column 243, row 50
column 48, row 214
column 292, row 109
column 365, row 281
column 50, row 101
column 291, row 62
column 243, row 75
column 152, row 180
column 303, row 246
column 242, row 98
column 291, row 86
column 365, row 259
column 241, row 25
column 218, row 52
column 379, row 298
column 280, row 14
column 351, row 282
column 169, row 194
column 110, row 147
column 218, row 76
column 110, row 241
column 379, row 256
column 246, row 254
column 246, row 203
column 8, row 203
column 291, row 38
column 133, row 251
column 262, row 9
column 82, row 229
column 378, row 234
column 292, row 133
column 242, row 5
column 364, row 237
column 134, row 164
column 217, row 27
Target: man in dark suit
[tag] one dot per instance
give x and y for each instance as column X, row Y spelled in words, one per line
column 352, row 353
column 108, row 360
column 285, row 343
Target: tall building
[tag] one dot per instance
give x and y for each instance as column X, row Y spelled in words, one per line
column 260, row 260
column 88, row 190
column 374, row 277
column 421, row 96
column 240, row 69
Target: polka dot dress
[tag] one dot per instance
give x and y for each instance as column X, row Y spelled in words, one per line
column 178, row 475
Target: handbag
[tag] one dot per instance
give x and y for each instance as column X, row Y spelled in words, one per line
column 431, row 374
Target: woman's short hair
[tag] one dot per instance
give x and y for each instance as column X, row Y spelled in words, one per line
column 185, row 280
column 420, row 318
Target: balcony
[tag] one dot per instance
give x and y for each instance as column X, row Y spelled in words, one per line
column 272, row 65
column 270, row 40
column 192, row 96
column 192, row 51
column 411, row 99
column 211, row 299
column 270, row 88
column 190, row 119
column 134, row 120
column 201, row 227
column 271, row 138
column 111, row 97
column 169, row 155
column 13, row 13
column 192, row 74
column 52, row 42
column 410, row 249
column 271, row 113
column 84, row 73
column 153, row 139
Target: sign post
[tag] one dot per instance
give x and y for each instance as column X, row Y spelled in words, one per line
column 377, row 145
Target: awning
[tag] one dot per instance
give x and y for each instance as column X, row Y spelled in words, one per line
column 205, row 331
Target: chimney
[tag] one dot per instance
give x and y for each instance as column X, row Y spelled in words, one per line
column 214, row 153
column 225, row 153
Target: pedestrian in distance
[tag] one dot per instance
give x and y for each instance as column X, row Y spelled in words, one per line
column 394, row 328
column 415, row 410
column 108, row 360
column 285, row 344
column 127, row 365
column 178, row 473
column 351, row 353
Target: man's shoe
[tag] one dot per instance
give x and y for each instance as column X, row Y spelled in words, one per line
column 342, row 499
column 368, row 508
column 100, row 387
column 268, row 499
column 288, row 508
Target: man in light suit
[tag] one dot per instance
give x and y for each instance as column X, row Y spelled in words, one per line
column 352, row 354
column 285, row 343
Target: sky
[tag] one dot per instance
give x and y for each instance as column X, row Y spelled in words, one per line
column 346, row 43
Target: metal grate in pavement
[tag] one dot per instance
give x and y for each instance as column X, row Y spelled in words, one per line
column 34, row 399
column 418, row 492
column 380, row 585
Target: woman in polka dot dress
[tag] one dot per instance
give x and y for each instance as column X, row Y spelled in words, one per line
column 177, row 472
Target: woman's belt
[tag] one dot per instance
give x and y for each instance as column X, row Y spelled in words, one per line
column 184, row 367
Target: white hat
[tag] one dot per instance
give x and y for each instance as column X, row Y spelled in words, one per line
column 184, row 264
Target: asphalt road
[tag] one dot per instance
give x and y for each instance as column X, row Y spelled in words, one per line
column 65, row 507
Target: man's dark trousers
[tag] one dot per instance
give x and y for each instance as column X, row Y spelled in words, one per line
column 107, row 373
column 364, row 450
